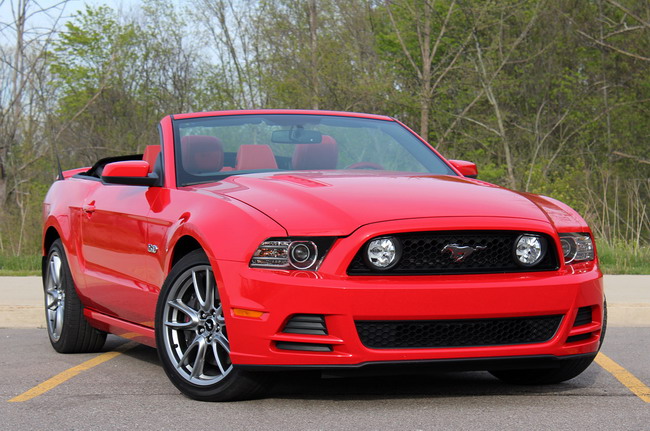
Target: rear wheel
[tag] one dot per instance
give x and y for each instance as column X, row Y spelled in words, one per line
column 192, row 336
column 67, row 327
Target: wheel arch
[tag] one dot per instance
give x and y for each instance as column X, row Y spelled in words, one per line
column 184, row 245
column 50, row 235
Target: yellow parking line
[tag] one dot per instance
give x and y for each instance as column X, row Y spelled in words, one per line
column 624, row 376
column 70, row 373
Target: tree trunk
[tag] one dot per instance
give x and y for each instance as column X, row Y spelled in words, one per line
column 425, row 91
column 313, row 41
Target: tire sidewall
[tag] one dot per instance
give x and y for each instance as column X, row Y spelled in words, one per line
column 70, row 295
column 230, row 387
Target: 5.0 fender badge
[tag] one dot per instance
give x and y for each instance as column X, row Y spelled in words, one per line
column 461, row 252
column 152, row 248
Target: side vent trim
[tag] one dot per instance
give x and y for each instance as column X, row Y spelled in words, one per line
column 308, row 324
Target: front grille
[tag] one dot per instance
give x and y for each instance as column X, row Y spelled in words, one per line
column 422, row 254
column 412, row 334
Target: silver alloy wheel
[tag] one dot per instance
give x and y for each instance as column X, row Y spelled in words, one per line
column 54, row 297
column 194, row 330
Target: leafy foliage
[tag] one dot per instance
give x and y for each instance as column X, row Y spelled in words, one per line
column 547, row 96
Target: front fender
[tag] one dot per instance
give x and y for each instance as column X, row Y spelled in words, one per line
column 225, row 228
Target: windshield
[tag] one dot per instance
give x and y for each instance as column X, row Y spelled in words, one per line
column 212, row 148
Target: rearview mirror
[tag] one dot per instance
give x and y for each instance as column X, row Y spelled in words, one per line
column 296, row 136
column 467, row 169
column 130, row 173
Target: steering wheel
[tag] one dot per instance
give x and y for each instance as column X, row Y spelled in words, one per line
column 366, row 165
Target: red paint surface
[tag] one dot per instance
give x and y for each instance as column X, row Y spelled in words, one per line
column 105, row 230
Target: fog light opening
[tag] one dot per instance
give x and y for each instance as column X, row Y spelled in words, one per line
column 529, row 250
column 383, row 253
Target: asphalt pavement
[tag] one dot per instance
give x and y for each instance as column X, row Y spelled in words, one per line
column 129, row 390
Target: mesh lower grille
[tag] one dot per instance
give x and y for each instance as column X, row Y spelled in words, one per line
column 422, row 253
column 456, row 333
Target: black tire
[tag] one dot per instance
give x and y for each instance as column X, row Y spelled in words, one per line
column 602, row 333
column 192, row 338
column 568, row 369
column 67, row 328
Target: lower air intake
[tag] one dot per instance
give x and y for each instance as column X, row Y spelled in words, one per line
column 309, row 324
column 303, row 347
column 413, row 334
column 583, row 317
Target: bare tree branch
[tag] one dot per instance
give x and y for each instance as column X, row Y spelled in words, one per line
column 629, row 156
column 612, row 47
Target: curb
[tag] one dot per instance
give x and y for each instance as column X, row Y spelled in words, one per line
column 22, row 316
column 628, row 314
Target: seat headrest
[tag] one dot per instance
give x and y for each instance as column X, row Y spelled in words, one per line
column 255, row 157
column 324, row 155
column 201, row 154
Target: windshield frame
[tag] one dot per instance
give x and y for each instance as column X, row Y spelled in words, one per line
column 422, row 146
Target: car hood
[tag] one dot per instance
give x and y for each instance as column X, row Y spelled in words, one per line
column 337, row 203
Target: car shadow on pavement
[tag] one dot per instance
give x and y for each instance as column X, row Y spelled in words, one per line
column 310, row 385
column 424, row 385
column 140, row 352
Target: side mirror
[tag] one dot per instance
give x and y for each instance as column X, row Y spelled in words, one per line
column 467, row 169
column 130, row 173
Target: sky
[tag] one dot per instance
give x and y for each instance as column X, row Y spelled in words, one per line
column 40, row 22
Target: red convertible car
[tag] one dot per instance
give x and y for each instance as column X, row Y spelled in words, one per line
column 252, row 242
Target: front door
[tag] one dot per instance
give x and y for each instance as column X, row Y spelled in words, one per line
column 115, row 252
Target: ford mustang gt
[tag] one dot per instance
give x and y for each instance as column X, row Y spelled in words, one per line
column 251, row 242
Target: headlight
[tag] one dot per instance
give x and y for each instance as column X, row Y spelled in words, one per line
column 577, row 247
column 290, row 253
column 302, row 254
column 530, row 249
column 383, row 253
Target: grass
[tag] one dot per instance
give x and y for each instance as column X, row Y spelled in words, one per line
column 622, row 259
column 614, row 259
column 20, row 265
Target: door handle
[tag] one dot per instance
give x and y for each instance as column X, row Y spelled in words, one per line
column 88, row 208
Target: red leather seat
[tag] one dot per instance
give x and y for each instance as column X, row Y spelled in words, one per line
column 150, row 155
column 316, row 156
column 255, row 157
column 201, row 154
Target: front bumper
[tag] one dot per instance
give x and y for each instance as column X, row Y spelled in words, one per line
column 343, row 299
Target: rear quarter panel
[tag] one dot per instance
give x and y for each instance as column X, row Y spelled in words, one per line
column 62, row 210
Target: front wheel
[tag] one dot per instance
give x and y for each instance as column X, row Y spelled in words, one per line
column 568, row 369
column 192, row 336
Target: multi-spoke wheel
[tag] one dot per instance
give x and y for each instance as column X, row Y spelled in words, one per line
column 195, row 329
column 192, row 337
column 68, row 329
column 54, row 296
